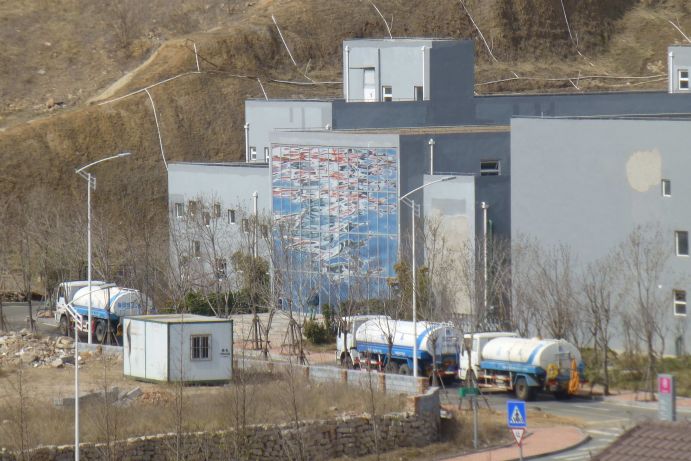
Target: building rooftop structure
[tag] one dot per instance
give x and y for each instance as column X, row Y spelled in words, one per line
column 652, row 440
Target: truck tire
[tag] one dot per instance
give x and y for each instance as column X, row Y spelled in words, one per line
column 100, row 331
column 523, row 391
column 404, row 370
column 64, row 326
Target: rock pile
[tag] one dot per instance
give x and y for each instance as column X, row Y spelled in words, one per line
column 29, row 349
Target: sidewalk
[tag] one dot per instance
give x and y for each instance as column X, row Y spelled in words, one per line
column 537, row 441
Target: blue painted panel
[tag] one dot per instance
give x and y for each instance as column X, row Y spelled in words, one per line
column 512, row 366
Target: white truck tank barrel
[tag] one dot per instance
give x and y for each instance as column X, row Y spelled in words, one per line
column 122, row 301
column 377, row 331
column 537, row 352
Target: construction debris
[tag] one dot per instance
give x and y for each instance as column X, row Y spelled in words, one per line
column 33, row 350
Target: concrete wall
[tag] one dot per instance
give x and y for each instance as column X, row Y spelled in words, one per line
column 461, row 154
column 589, row 183
column 449, row 207
column 266, row 116
column 679, row 58
column 390, row 383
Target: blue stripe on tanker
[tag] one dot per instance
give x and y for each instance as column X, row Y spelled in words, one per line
column 95, row 312
column 512, row 366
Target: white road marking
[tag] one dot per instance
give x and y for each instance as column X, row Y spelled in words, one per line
column 613, row 432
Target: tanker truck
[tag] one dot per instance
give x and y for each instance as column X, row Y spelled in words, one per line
column 365, row 343
column 109, row 303
column 521, row 365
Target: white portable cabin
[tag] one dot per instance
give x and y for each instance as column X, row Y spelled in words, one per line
column 190, row 348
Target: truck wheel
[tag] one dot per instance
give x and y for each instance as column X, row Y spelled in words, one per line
column 100, row 331
column 404, row 370
column 64, row 326
column 523, row 391
column 562, row 394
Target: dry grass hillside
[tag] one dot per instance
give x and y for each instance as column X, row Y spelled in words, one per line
column 60, row 60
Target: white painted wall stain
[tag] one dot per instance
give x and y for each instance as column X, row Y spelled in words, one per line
column 644, row 169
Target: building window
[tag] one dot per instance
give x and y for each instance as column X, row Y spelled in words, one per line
column 683, row 79
column 207, row 218
column 179, row 210
column 231, row 216
column 245, row 225
column 217, row 210
column 387, row 93
column 266, row 154
column 666, row 188
column 196, row 249
column 192, row 207
column 418, row 93
column 201, row 347
column 679, row 302
column 253, row 153
column 490, row 168
column 682, row 238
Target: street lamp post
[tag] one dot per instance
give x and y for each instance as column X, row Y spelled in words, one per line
column 91, row 184
column 413, row 264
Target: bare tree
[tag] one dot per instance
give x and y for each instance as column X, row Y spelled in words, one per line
column 18, row 431
column 644, row 258
column 603, row 291
column 523, row 312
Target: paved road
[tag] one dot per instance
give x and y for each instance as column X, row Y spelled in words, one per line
column 16, row 314
column 604, row 420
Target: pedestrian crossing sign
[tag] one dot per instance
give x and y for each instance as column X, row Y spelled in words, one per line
column 515, row 412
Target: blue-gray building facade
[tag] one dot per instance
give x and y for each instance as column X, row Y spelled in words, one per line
column 587, row 184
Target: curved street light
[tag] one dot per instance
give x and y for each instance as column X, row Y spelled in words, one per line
column 411, row 203
column 90, row 184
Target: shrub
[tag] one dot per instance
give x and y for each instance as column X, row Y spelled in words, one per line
column 316, row 332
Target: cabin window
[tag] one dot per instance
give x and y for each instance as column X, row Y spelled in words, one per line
column 231, row 216
column 679, row 302
column 666, row 188
column 418, row 93
column 207, row 218
column 201, row 347
column 683, row 79
column 192, row 207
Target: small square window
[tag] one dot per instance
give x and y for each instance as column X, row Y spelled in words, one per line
column 387, row 93
column 253, row 153
column 418, row 93
column 666, row 188
column 682, row 239
column 683, row 79
column 490, row 168
column 196, row 249
column 679, row 302
column 231, row 216
column 201, row 347
column 179, row 210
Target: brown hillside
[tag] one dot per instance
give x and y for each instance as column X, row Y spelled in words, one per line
column 74, row 50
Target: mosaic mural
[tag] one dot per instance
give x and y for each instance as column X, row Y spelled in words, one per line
column 336, row 209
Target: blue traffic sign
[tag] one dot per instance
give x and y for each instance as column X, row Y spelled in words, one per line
column 515, row 414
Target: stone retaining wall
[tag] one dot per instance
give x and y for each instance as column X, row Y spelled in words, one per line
column 313, row 440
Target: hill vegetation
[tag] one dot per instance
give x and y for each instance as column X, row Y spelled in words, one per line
column 64, row 61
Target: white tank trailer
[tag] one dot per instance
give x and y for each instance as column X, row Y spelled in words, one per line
column 369, row 346
column 522, row 365
column 108, row 306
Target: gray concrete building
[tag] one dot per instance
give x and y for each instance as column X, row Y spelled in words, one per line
column 588, row 183
column 407, row 116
